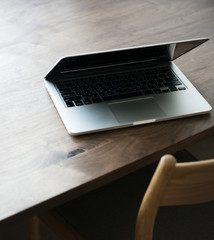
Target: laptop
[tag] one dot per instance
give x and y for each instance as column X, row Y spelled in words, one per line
column 124, row 87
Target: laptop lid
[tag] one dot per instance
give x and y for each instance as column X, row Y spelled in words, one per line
column 157, row 52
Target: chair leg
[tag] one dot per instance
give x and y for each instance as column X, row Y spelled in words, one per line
column 34, row 228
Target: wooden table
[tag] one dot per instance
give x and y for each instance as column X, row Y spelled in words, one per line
column 41, row 166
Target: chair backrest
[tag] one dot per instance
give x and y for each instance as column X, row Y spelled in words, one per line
column 174, row 184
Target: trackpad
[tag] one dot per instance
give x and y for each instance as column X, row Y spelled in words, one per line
column 136, row 110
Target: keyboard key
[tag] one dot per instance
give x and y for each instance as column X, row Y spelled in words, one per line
column 70, row 104
column 87, row 101
column 169, row 84
column 96, row 100
column 165, row 90
column 173, row 89
column 181, row 88
column 69, row 94
column 78, row 103
column 177, row 83
column 74, row 98
column 64, row 90
column 159, row 85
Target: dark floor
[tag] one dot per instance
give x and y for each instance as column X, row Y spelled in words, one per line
column 20, row 231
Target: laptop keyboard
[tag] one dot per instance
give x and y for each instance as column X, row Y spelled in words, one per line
column 106, row 87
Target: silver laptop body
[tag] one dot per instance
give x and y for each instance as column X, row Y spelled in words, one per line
column 149, row 88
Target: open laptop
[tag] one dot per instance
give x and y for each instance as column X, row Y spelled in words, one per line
column 124, row 87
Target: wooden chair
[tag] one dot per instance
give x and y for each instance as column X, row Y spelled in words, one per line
column 172, row 184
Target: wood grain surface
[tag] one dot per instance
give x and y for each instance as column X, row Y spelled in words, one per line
column 41, row 166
